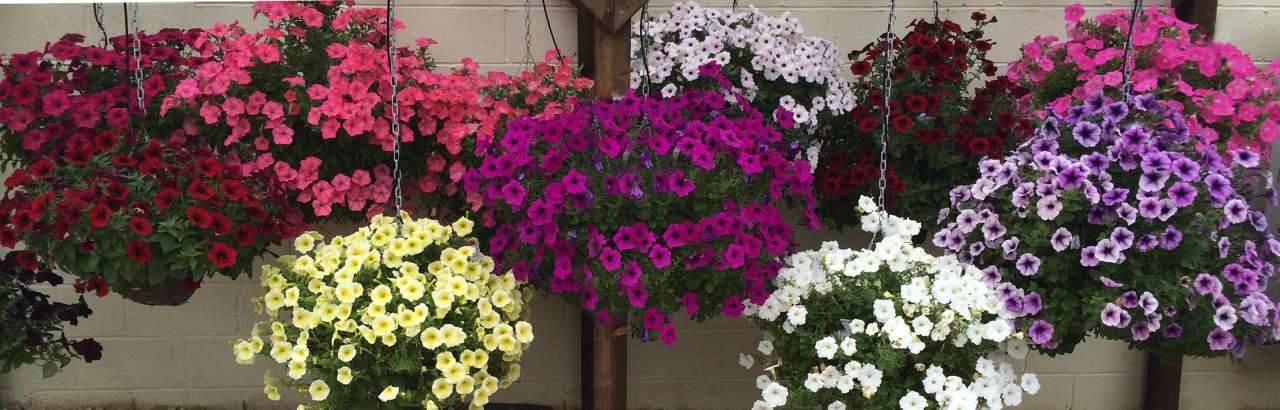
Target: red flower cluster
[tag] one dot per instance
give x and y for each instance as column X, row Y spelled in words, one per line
column 96, row 196
column 936, row 120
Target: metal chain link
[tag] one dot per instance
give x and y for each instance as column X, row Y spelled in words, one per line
column 528, row 34
column 735, row 6
column 137, row 76
column 882, row 182
column 396, row 173
column 1134, row 12
column 935, row 11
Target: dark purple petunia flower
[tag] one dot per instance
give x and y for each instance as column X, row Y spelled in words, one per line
column 1031, row 304
column 1116, row 111
column 1094, row 103
column 1071, row 178
column 1170, row 238
column 1129, row 300
column 1172, row 331
column 1148, row 103
column 1186, row 169
column 1236, row 211
column 1041, row 332
column 1122, row 237
column 1140, row 331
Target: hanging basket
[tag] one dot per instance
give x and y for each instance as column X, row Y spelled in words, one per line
column 172, row 292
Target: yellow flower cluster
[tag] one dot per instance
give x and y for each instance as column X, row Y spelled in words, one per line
column 413, row 301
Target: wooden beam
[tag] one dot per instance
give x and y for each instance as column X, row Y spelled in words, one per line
column 604, row 49
column 1203, row 13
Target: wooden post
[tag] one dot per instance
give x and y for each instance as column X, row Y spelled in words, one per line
column 604, row 49
column 1162, row 387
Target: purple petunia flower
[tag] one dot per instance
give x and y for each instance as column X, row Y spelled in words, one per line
column 1040, row 332
column 1170, row 238
column 1060, row 239
column 1114, row 316
column 1116, row 111
column 1127, row 212
column 1089, row 256
column 1087, row 134
column 1219, row 186
column 1031, row 303
column 1236, row 211
column 1108, row 282
column 1094, row 103
column 1047, row 208
column 1182, row 194
column 1071, row 177
column 1129, row 300
column 1186, row 169
column 1140, row 331
column 1152, row 181
column 1149, row 208
column 1172, row 331
column 991, row 275
column 1148, row 303
column 1220, row 339
column 1148, row 103
column 1009, row 248
column 967, row 221
column 1028, row 264
column 1246, row 158
column 1225, row 317
column 1122, row 237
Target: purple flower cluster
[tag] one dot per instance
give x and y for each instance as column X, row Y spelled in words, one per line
column 644, row 206
column 1115, row 208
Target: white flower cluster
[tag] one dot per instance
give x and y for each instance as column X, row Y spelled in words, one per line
column 761, row 51
column 941, row 301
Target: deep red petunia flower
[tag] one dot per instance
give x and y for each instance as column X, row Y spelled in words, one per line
column 27, row 260
column 208, row 167
column 219, row 223
column 916, row 103
column 165, row 197
column 860, row 67
column 245, row 235
column 233, row 190
column 140, row 226
column 200, row 192
column 100, row 215
column 139, row 251
column 900, row 123
column 199, row 217
column 117, row 190
column 222, row 256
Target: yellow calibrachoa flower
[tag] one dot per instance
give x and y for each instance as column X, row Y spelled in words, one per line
column 346, row 302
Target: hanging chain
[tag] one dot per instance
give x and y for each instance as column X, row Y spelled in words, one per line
column 528, row 34
column 735, row 6
column 102, row 28
column 936, row 18
column 881, row 183
column 644, row 48
column 133, row 72
column 1134, row 12
column 396, row 174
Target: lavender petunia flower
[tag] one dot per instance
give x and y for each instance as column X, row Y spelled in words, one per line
column 1127, row 212
column 967, row 220
column 1061, row 239
column 1116, row 111
column 1246, row 158
column 1115, row 196
column 1151, row 182
column 1129, row 300
column 1122, row 237
column 1148, row 103
column 1087, row 134
column 1186, row 169
column 1170, row 238
column 1096, row 162
column 1094, row 103
column 1114, row 316
column 993, row 230
column 1031, row 303
column 1172, row 331
column 1140, row 331
column 1108, row 251
column 1047, row 208
column 1224, row 245
column 1148, row 303
column 1219, row 186
column 1149, row 208
column 1071, row 177
column 1009, row 248
column 1028, row 264
column 1206, row 284
column 1258, row 220
column 991, row 275
column 1040, row 332
column 1225, row 317
column 1236, row 211
column 1182, row 194
column 1220, row 339
column 1108, row 282
column 1089, row 256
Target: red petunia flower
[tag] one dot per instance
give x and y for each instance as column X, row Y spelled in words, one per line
column 165, row 197
column 219, row 223
column 100, row 215
column 24, row 220
column 27, row 260
column 140, row 226
column 222, row 256
column 208, row 167
column 124, row 161
column 916, row 103
column 979, row 145
column 245, row 235
column 868, row 124
column 41, row 168
column 105, row 141
column 200, row 192
column 900, row 123
column 8, row 238
column 117, row 190
column 199, row 217
column 139, row 251
column 917, row 62
column 232, row 189
column 77, row 156
column 860, row 67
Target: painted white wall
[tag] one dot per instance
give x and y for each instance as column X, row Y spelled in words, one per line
column 167, row 357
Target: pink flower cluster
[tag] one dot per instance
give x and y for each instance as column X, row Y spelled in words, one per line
column 644, row 206
column 1229, row 102
column 316, row 127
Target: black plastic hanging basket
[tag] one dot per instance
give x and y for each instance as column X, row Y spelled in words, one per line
column 172, row 292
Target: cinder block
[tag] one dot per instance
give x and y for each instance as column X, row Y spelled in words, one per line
column 211, row 311
column 559, row 394
column 108, row 311
column 1055, row 393
column 696, row 356
column 552, row 314
column 126, row 364
column 81, row 399
column 212, row 365
column 1251, row 390
column 553, row 357
column 1107, row 392
column 699, row 394
column 1104, row 356
column 1251, row 29
column 476, row 32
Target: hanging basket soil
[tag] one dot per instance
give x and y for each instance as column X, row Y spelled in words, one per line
column 171, row 292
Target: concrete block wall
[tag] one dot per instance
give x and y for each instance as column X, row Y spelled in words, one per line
column 180, row 357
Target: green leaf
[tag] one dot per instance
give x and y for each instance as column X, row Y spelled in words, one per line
column 156, row 274
column 49, row 369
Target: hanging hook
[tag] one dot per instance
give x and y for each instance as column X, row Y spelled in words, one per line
column 644, row 48
column 396, row 173
column 1127, row 69
column 935, row 12
column 98, row 18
